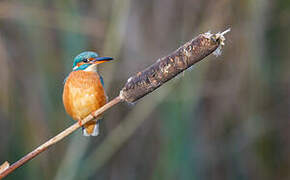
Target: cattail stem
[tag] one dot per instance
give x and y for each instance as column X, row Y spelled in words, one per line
column 140, row 85
column 58, row 137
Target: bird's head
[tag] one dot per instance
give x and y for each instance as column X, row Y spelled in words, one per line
column 88, row 60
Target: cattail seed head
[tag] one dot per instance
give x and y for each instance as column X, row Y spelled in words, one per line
column 169, row 66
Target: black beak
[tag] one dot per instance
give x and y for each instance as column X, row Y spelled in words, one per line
column 101, row 60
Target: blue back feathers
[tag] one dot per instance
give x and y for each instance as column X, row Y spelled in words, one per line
column 102, row 80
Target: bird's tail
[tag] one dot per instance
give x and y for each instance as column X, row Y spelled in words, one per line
column 91, row 129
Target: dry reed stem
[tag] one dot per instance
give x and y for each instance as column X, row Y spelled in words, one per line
column 4, row 166
column 58, row 137
column 142, row 84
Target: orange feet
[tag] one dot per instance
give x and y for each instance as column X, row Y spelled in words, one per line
column 80, row 122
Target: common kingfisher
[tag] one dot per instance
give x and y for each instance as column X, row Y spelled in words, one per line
column 84, row 91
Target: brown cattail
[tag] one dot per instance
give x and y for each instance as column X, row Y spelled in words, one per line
column 168, row 67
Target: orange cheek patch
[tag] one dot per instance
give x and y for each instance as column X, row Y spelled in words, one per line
column 79, row 64
column 91, row 59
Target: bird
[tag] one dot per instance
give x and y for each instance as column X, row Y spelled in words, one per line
column 83, row 90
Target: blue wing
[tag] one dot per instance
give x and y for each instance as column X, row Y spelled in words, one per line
column 102, row 80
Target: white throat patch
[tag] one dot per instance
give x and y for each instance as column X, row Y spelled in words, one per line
column 92, row 68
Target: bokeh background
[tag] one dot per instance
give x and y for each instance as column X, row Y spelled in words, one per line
column 226, row 118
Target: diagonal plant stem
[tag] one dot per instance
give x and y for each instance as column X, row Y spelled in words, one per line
column 143, row 83
column 59, row 137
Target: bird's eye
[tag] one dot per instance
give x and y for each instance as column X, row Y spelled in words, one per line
column 85, row 60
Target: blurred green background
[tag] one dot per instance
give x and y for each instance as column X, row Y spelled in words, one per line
column 226, row 118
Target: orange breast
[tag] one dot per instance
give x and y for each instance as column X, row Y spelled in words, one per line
column 83, row 93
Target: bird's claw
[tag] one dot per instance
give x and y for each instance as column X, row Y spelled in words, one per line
column 80, row 122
